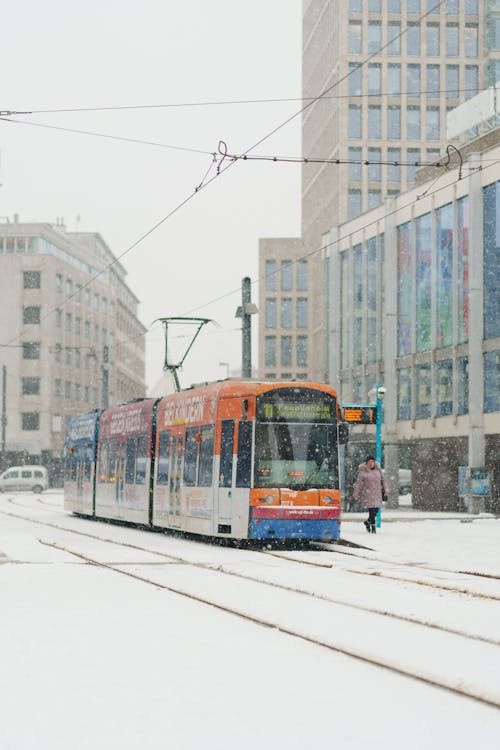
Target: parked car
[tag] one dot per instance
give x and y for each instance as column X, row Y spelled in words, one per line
column 33, row 478
column 404, row 481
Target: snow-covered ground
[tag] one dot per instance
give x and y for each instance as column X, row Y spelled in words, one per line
column 91, row 658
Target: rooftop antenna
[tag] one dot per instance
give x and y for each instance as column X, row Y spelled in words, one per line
column 173, row 367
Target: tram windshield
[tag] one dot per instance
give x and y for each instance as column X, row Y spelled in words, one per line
column 296, row 455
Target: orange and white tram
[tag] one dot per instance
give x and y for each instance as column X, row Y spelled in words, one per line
column 234, row 459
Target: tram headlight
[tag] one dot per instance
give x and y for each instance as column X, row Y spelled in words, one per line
column 328, row 500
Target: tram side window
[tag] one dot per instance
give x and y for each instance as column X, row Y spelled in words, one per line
column 74, row 464
column 103, row 461
column 141, row 460
column 205, row 471
column 226, row 453
column 88, row 459
column 244, row 463
column 191, row 456
column 111, row 460
column 163, row 457
column 130, row 465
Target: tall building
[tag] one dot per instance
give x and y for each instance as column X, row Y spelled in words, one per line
column 391, row 70
column 70, row 338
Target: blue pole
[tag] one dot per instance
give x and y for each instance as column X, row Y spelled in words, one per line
column 378, row 444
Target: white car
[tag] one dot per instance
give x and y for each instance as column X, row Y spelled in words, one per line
column 24, row 478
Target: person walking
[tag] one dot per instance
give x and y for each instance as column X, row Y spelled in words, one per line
column 371, row 487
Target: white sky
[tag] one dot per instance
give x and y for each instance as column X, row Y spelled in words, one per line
column 94, row 659
column 103, row 53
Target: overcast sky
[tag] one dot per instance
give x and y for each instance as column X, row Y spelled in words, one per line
column 110, row 53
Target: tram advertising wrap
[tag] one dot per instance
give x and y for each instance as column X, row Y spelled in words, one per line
column 234, row 459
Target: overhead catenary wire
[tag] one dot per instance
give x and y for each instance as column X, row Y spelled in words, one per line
column 220, row 168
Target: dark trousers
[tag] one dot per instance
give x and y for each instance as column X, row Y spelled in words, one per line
column 372, row 515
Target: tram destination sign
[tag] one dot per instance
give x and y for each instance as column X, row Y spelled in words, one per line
column 295, row 411
column 360, row 414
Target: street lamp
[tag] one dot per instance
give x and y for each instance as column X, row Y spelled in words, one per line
column 376, row 395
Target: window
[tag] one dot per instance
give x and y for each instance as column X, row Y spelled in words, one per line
column 205, row 470
column 244, row 462
column 270, row 351
column 301, row 312
column 57, row 352
column 471, row 40
column 78, row 326
column 30, row 420
column 270, row 313
column 31, row 315
column 413, row 6
column 394, row 79
column 68, row 355
column 394, row 6
column 423, row 395
column 354, row 158
column 286, row 312
column 87, row 329
column 433, row 85
column 452, row 7
column 31, row 386
column 374, row 78
column 354, row 203
column 374, row 198
column 59, row 282
column 491, row 224
column 413, row 123
column 355, row 6
column 393, row 169
column 471, row 7
column 68, row 321
column 78, row 296
column 492, row 381
column 374, row 122
column 286, row 275
column 462, row 292
column 394, row 38
column 433, row 6
column 130, row 461
column 301, row 351
column 286, row 351
column 463, row 385
column 31, row 350
column 141, row 461
column 302, row 275
column 471, row 81
column 58, row 387
column 413, row 163
column 374, row 6
column 31, row 279
column 355, row 71
column 452, row 79
column 452, row 39
column 190, row 457
column 67, row 389
column 413, row 40
column 432, row 126
column 270, row 275
column 374, row 36
column 394, row 122
column 58, row 318
column 413, row 80
column 226, row 453
column 355, row 46
column 433, row 46
column 444, row 271
column 78, row 392
column 354, row 121
column 374, row 167
column 444, row 388
column 69, row 287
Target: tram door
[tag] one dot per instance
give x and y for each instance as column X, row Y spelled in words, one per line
column 174, row 490
column 121, row 452
column 225, row 489
column 80, row 475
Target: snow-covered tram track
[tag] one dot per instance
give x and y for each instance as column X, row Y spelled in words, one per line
column 412, row 650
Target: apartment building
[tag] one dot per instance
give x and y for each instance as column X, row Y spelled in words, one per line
column 70, row 338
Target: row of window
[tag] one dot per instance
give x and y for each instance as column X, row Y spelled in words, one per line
column 32, row 280
column 286, row 351
column 450, row 7
column 369, row 119
column 286, row 312
column 374, row 156
column 387, row 79
column 76, row 392
column 284, row 275
column 415, row 41
column 31, row 350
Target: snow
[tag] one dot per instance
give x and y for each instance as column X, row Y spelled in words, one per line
column 94, row 659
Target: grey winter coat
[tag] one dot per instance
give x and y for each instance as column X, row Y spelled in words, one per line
column 368, row 486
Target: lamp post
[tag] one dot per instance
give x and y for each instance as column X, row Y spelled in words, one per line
column 378, row 393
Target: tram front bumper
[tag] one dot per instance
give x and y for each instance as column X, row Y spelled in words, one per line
column 295, row 523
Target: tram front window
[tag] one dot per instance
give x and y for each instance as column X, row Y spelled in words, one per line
column 297, row 455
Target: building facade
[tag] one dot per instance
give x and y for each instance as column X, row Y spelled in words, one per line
column 413, row 305
column 390, row 71
column 70, row 337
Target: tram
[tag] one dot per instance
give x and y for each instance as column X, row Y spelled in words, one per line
column 80, row 462
column 232, row 459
